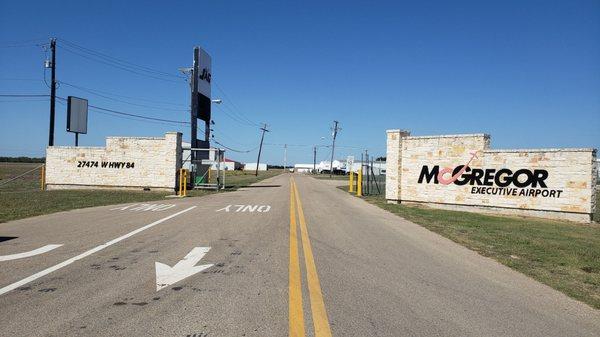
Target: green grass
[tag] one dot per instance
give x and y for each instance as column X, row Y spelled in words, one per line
column 236, row 179
column 23, row 198
column 561, row 254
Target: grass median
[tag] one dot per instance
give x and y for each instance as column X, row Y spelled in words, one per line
column 22, row 198
column 564, row 255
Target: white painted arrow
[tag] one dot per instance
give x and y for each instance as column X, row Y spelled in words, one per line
column 30, row 253
column 165, row 275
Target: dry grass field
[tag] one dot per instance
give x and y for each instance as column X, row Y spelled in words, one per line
column 23, row 197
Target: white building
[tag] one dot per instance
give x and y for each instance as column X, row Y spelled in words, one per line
column 252, row 167
column 303, row 168
column 378, row 167
column 338, row 166
column 227, row 164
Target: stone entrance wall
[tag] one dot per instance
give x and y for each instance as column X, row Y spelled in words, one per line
column 553, row 183
column 125, row 162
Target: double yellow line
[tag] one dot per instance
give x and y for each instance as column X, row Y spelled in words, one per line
column 317, row 305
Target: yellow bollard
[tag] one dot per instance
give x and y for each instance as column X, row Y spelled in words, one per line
column 179, row 191
column 351, row 182
column 184, row 183
column 43, row 178
column 359, row 183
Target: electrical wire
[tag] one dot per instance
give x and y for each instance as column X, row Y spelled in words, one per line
column 288, row 145
column 29, row 41
column 116, row 65
column 124, row 96
column 131, row 114
column 19, row 45
column 24, row 95
column 91, row 91
column 25, row 99
column 128, row 118
column 113, row 59
column 106, row 59
column 234, row 118
column 234, row 150
column 231, row 102
column 19, row 79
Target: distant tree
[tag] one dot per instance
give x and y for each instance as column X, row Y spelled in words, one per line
column 22, row 160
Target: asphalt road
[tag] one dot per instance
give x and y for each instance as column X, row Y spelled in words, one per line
column 301, row 258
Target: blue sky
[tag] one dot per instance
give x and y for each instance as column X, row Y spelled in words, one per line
column 526, row 72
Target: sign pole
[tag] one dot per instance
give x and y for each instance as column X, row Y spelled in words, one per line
column 194, row 108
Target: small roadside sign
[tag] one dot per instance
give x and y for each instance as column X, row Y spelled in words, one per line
column 350, row 163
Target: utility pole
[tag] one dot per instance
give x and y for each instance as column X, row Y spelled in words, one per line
column 314, row 159
column 284, row 156
column 335, row 131
column 52, row 92
column 262, row 137
column 368, row 189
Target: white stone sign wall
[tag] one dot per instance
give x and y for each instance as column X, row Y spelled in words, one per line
column 461, row 172
column 125, row 162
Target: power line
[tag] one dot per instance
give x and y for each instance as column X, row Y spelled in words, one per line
column 25, row 99
column 29, row 41
column 119, row 61
column 19, row 79
column 24, row 43
column 230, row 101
column 18, row 46
column 131, row 114
column 124, row 96
column 289, row 145
column 116, row 65
column 124, row 65
column 229, row 138
column 234, row 118
column 138, row 116
column 24, row 95
column 93, row 92
column 176, row 125
column 234, row 150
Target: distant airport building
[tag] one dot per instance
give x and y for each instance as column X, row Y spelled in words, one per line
column 227, row 164
column 379, row 167
column 340, row 167
column 303, row 168
column 252, row 167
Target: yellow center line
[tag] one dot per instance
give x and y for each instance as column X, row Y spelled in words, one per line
column 317, row 305
column 296, row 317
